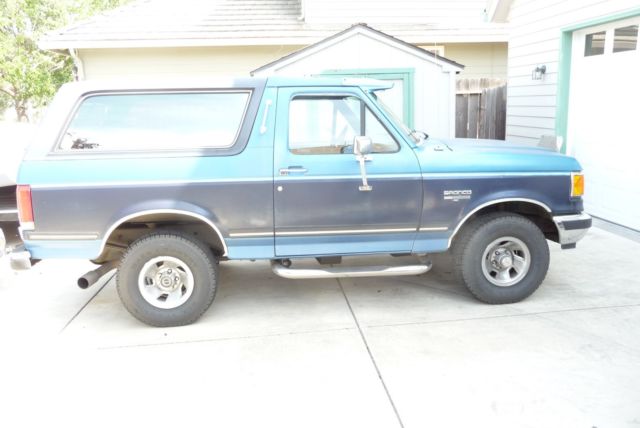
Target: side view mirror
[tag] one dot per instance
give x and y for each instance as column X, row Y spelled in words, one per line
column 362, row 146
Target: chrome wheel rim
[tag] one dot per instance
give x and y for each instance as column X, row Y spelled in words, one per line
column 506, row 261
column 165, row 282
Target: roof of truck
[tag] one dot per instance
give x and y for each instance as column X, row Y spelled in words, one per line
column 94, row 85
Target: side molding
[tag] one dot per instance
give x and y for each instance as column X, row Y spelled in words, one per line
column 162, row 211
column 493, row 202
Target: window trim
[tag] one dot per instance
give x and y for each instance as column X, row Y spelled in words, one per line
column 363, row 100
column 242, row 134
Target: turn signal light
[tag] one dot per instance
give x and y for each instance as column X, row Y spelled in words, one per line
column 577, row 185
column 25, row 207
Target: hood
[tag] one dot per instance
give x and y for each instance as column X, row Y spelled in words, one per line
column 471, row 155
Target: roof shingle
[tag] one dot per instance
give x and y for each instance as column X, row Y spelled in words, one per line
column 147, row 23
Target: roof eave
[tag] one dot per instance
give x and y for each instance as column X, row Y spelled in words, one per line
column 172, row 43
column 261, row 40
column 364, row 29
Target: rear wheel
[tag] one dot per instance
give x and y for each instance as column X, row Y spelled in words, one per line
column 501, row 258
column 167, row 279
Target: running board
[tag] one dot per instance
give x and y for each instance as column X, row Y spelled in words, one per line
column 348, row 271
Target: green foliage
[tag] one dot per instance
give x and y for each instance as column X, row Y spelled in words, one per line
column 29, row 77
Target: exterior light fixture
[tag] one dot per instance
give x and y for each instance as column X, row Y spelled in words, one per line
column 539, row 72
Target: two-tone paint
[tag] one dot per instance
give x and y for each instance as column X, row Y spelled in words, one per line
column 265, row 202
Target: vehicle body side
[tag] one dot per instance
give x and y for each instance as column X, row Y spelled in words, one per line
column 92, row 205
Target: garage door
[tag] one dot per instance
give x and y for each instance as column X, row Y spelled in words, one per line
column 604, row 119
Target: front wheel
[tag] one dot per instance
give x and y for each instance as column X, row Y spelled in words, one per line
column 502, row 258
column 167, row 279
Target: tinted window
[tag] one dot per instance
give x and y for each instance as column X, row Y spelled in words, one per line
column 328, row 125
column 625, row 38
column 594, row 43
column 156, row 121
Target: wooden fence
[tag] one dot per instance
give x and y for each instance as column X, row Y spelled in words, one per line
column 481, row 108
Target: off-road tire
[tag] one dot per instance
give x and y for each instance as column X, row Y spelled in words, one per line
column 200, row 261
column 474, row 239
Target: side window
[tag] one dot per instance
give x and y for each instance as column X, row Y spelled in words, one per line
column 625, row 38
column 156, row 121
column 594, row 43
column 329, row 124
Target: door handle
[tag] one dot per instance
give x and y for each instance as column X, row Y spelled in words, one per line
column 363, row 173
column 293, row 170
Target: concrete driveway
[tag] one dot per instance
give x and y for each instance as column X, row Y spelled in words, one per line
column 390, row 352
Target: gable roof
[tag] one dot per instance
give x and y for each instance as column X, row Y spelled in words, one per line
column 171, row 23
column 349, row 32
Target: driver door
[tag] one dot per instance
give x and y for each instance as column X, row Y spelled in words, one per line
column 320, row 207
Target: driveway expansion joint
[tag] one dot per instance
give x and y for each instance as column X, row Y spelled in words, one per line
column 224, row 339
column 373, row 360
column 86, row 304
column 524, row 314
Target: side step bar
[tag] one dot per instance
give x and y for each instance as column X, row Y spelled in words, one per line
column 348, row 271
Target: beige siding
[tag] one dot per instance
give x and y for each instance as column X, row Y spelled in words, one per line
column 179, row 62
column 479, row 59
column 535, row 40
column 385, row 11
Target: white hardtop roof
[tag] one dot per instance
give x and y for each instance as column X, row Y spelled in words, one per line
column 186, row 84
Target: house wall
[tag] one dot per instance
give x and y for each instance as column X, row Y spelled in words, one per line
column 387, row 12
column 179, row 62
column 535, row 40
column 479, row 59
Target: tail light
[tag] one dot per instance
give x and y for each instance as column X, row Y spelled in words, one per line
column 25, row 206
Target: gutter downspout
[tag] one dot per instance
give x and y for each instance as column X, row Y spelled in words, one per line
column 79, row 66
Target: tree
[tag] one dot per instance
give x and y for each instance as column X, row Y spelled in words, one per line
column 29, row 77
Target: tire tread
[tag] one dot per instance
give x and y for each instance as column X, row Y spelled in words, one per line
column 177, row 236
column 462, row 252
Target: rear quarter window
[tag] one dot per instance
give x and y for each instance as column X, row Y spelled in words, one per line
column 156, row 121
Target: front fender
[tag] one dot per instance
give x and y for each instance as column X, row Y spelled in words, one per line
column 450, row 200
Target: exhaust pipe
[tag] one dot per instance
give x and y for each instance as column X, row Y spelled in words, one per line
column 91, row 277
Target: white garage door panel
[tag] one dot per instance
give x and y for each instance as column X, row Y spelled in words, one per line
column 604, row 124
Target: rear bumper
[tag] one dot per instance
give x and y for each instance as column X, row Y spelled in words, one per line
column 20, row 259
column 572, row 228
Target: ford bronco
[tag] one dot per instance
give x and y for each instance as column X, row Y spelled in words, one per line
column 163, row 182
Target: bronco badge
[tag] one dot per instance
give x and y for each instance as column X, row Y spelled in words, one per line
column 456, row 195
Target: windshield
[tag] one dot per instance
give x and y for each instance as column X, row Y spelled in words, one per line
column 395, row 119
